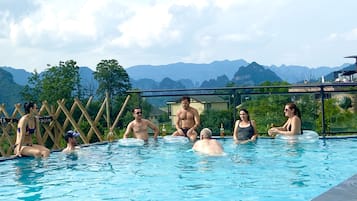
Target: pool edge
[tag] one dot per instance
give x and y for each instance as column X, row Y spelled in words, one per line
column 345, row 191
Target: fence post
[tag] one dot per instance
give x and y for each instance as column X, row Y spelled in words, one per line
column 120, row 113
column 322, row 94
column 234, row 96
column 107, row 104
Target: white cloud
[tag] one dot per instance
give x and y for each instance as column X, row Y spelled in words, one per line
column 55, row 26
column 145, row 28
column 352, row 35
column 36, row 32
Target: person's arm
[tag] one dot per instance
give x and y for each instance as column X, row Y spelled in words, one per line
column 154, row 128
column 254, row 137
column 128, row 130
column 276, row 130
column 235, row 131
column 22, row 125
column 197, row 119
column 295, row 127
column 219, row 145
column 196, row 145
column 178, row 123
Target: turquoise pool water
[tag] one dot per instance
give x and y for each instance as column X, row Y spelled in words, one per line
column 266, row 170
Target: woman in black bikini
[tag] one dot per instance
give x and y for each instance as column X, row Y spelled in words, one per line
column 245, row 130
column 25, row 128
column 292, row 126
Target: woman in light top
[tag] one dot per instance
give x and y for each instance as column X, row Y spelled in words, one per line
column 245, row 130
column 26, row 127
column 292, row 126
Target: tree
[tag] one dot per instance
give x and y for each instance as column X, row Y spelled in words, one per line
column 60, row 82
column 345, row 103
column 213, row 118
column 32, row 90
column 112, row 78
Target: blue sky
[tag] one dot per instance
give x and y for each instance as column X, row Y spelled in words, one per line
column 311, row 33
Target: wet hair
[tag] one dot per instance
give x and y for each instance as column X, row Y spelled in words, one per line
column 28, row 106
column 245, row 111
column 186, row 98
column 296, row 109
column 206, row 133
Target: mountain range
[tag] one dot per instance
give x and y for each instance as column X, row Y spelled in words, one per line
column 183, row 75
column 199, row 73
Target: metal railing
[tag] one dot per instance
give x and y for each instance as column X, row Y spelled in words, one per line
column 328, row 108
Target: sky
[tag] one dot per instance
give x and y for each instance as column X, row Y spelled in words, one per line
column 313, row 33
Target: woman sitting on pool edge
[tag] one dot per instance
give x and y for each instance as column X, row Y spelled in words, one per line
column 292, row 126
column 26, row 127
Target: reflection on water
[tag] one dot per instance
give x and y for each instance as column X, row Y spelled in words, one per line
column 29, row 172
column 71, row 160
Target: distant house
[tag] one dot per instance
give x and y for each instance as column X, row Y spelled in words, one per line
column 155, row 114
column 338, row 95
column 346, row 75
column 201, row 103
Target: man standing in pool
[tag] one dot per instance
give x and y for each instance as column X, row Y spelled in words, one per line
column 139, row 126
column 187, row 120
column 70, row 138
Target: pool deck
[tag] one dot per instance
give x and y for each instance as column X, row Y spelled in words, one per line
column 345, row 191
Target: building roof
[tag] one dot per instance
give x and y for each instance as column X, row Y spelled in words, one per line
column 349, row 72
column 354, row 56
column 156, row 111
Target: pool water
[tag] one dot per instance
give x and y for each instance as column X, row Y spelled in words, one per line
column 266, row 170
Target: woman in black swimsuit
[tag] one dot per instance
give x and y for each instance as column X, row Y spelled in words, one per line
column 292, row 126
column 245, row 130
column 25, row 128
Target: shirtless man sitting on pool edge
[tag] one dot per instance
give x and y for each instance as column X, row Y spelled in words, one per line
column 187, row 120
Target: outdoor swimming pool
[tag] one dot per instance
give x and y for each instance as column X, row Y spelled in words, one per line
column 266, row 170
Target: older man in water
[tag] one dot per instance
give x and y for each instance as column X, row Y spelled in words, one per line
column 187, row 120
column 139, row 126
column 207, row 145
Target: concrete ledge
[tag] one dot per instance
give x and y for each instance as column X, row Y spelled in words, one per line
column 345, row 191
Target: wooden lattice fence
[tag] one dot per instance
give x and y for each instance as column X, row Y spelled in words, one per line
column 53, row 122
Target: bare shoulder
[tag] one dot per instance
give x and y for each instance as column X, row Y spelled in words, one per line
column 296, row 118
column 146, row 121
column 193, row 110
column 131, row 123
column 216, row 141
column 197, row 143
column 23, row 119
